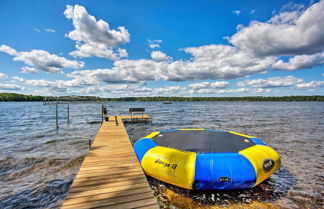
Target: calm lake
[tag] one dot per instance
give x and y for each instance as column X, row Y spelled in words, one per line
column 38, row 163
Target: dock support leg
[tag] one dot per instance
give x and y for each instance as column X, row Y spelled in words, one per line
column 116, row 120
column 56, row 116
column 68, row 114
column 102, row 113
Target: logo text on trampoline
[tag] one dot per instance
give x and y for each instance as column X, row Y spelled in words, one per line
column 165, row 164
column 268, row 165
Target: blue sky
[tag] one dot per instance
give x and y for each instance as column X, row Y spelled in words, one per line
column 162, row 48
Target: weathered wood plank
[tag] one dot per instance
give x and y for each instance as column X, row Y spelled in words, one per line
column 79, row 200
column 120, row 189
column 111, row 201
column 110, row 175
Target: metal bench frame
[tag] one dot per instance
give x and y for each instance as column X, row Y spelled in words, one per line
column 133, row 111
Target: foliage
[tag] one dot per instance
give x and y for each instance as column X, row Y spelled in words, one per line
column 11, row 97
column 216, row 99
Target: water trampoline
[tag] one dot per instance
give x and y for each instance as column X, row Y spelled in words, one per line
column 204, row 159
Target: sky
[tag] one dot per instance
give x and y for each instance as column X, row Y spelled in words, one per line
column 126, row 48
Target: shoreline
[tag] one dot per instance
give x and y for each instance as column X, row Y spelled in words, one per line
column 11, row 97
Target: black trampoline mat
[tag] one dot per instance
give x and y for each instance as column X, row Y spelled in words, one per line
column 203, row 141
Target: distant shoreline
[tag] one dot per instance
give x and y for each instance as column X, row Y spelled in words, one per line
column 11, row 97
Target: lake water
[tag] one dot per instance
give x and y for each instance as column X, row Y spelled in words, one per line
column 38, row 162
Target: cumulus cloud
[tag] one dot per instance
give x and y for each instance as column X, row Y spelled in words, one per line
column 292, row 6
column 159, row 56
column 272, row 82
column 9, row 86
column 153, row 44
column 29, row 70
column 95, row 38
column 17, row 78
column 42, row 60
column 204, row 85
column 310, row 85
column 62, row 84
column 8, row 50
column 288, row 33
column 300, row 62
column 298, row 33
column 228, row 91
column 222, row 62
column 123, row 90
column 208, row 62
column 3, row 76
column 124, row 71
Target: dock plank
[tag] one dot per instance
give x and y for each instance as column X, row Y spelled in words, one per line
column 110, row 175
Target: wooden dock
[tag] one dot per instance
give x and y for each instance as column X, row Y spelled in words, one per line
column 110, row 175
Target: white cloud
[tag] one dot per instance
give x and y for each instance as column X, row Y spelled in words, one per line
column 310, row 85
column 292, row 6
column 159, row 56
column 228, row 91
column 203, row 85
column 62, row 84
column 237, row 12
column 17, row 78
column 98, row 50
column 3, row 76
column 168, row 90
column 300, row 62
column 154, row 43
column 9, row 86
column 82, row 85
column 40, row 83
column 249, row 54
column 124, row 71
column 285, row 18
column 288, row 33
column 252, row 11
column 95, row 38
column 272, row 82
column 37, row 30
column 238, row 27
column 29, row 70
column 8, row 50
column 42, row 60
column 49, row 30
column 221, row 62
column 209, row 62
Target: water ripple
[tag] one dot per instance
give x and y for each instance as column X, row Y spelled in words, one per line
column 38, row 162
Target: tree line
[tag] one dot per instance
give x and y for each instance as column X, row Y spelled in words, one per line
column 219, row 99
column 11, row 97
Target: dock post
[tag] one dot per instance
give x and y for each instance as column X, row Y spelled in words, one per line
column 56, row 116
column 68, row 113
column 116, row 120
column 102, row 113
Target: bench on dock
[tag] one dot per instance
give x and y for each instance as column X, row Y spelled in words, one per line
column 137, row 110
